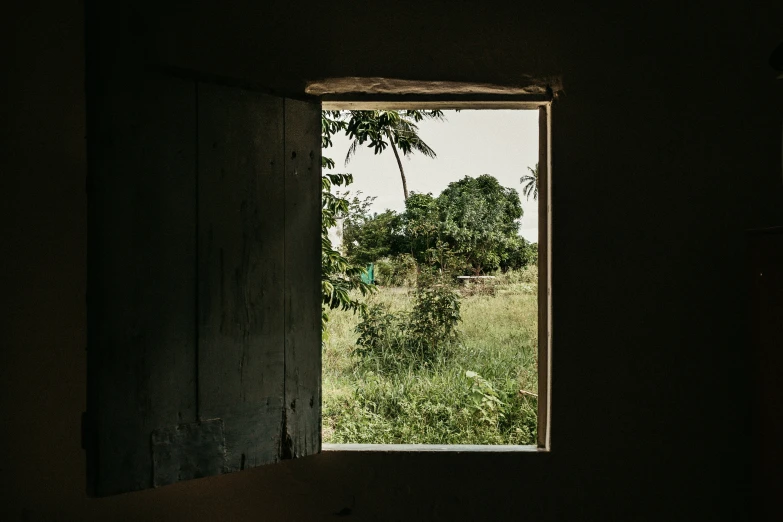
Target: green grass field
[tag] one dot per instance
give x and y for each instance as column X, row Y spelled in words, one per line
column 443, row 403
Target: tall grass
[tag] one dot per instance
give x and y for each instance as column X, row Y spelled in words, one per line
column 451, row 400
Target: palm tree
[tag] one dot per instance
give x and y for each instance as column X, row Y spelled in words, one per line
column 530, row 182
column 395, row 128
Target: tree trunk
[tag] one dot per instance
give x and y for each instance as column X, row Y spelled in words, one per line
column 399, row 164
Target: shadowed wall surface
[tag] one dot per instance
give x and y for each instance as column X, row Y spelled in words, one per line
column 666, row 139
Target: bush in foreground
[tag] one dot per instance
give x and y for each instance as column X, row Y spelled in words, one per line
column 470, row 394
column 389, row 340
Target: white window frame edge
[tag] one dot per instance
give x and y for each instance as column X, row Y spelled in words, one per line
column 486, row 102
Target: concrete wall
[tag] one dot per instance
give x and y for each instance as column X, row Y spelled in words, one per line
column 666, row 147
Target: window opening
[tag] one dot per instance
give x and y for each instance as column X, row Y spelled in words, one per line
column 435, row 257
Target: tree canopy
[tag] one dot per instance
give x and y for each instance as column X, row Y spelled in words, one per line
column 395, row 129
column 530, row 183
column 339, row 276
column 474, row 222
column 480, row 220
column 472, row 225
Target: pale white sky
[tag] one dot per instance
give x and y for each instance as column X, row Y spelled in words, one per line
column 502, row 143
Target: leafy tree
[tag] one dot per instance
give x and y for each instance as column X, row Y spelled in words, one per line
column 392, row 340
column 480, row 220
column 421, row 225
column 368, row 238
column 338, row 276
column 397, row 270
column 331, row 124
column 398, row 129
column 473, row 224
column 530, row 182
column 520, row 253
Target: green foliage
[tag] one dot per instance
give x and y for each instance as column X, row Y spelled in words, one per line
column 383, row 341
column 519, row 253
column 331, row 124
column 397, row 129
column 429, row 406
column 527, row 276
column 471, row 227
column 480, row 220
column 399, row 270
column 436, row 403
column 436, row 314
column 390, row 340
column 530, row 182
column 368, row 238
column 339, row 277
column 420, row 225
column 380, row 129
column 401, row 371
column 480, row 287
column 486, row 403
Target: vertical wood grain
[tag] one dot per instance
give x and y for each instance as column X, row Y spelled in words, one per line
column 544, row 279
column 204, row 281
column 141, row 274
column 241, row 270
column 302, row 278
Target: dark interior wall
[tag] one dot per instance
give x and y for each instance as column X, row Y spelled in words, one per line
column 666, row 147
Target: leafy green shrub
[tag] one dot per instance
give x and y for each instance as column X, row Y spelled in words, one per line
column 397, row 270
column 368, row 237
column 382, row 341
column 519, row 253
column 486, row 403
column 433, row 403
column 339, row 277
column 435, row 315
column 393, row 340
column 502, row 408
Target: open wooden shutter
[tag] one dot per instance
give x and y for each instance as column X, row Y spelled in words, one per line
column 203, row 284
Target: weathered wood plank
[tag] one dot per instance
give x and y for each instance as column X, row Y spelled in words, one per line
column 141, row 274
column 240, row 270
column 204, row 301
column 302, row 278
column 544, row 278
column 188, row 451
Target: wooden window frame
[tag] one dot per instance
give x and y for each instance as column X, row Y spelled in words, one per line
column 542, row 103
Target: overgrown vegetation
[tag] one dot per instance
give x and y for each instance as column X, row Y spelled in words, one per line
column 422, row 360
column 395, row 129
column 472, row 224
column 389, row 340
column 339, row 276
column 465, row 391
